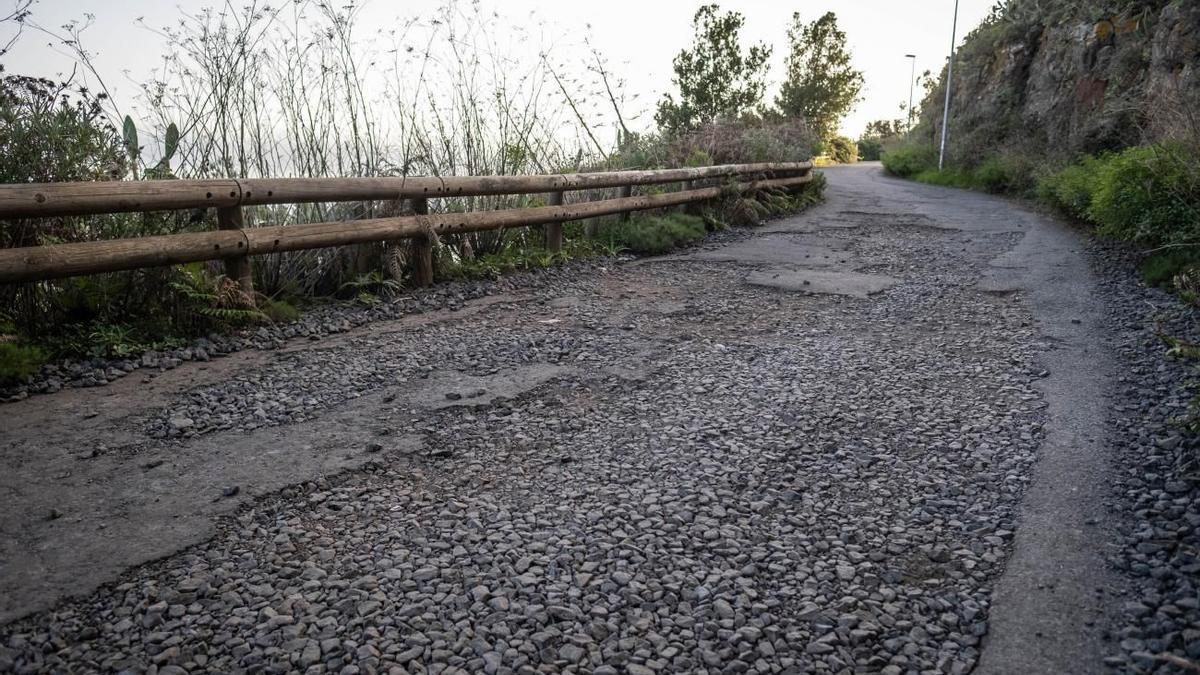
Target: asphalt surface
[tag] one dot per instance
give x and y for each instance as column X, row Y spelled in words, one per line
column 869, row 438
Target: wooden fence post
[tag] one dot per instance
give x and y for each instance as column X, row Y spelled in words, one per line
column 626, row 191
column 554, row 231
column 422, row 249
column 238, row 269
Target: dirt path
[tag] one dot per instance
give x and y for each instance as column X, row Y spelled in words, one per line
column 798, row 449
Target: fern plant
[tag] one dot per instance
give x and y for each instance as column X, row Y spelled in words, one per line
column 218, row 299
column 370, row 288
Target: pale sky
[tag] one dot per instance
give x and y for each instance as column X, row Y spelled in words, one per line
column 639, row 37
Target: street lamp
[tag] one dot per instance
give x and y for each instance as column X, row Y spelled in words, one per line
column 912, row 81
column 949, row 84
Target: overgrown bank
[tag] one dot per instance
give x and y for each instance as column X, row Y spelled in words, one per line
column 1148, row 195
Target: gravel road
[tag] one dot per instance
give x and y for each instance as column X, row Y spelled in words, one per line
column 863, row 439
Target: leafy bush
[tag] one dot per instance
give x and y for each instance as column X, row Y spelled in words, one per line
column 213, row 300
column 870, row 149
column 813, row 191
column 18, row 362
column 843, row 150
column 1148, row 194
column 513, row 257
column 279, row 311
column 993, row 175
column 1001, row 174
column 907, row 161
column 60, row 135
column 52, row 133
column 652, row 235
column 789, row 140
column 1070, row 189
column 1186, row 282
column 1164, row 268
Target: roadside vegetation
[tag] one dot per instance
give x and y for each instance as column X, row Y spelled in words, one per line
column 302, row 89
column 1147, row 194
column 1132, row 173
column 877, row 134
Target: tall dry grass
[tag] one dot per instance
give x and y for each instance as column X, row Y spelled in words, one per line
column 304, row 89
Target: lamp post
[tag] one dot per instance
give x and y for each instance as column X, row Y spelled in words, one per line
column 949, row 84
column 912, row 81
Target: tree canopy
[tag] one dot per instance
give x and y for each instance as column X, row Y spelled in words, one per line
column 821, row 85
column 884, row 128
column 715, row 77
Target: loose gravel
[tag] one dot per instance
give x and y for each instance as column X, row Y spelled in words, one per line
column 726, row 479
column 322, row 322
column 1157, row 489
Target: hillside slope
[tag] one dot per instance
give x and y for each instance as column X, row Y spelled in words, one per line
column 1068, row 78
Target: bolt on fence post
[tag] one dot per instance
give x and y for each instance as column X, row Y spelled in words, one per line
column 554, row 231
column 626, row 191
column 422, row 249
column 238, row 269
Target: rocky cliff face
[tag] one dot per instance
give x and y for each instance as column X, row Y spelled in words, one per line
column 1082, row 81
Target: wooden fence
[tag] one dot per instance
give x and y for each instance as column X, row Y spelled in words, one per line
column 234, row 243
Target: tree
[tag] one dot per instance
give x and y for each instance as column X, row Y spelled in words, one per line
column 715, row 77
column 870, row 144
column 842, row 150
column 884, row 128
column 821, row 84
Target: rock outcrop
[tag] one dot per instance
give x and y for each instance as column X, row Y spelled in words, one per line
column 1079, row 79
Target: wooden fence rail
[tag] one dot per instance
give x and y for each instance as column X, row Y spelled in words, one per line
column 233, row 243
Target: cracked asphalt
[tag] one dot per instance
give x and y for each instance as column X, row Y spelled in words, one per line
column 867, row 438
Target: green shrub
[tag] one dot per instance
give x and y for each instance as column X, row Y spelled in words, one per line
column 843, row 150
column 18, row 362
column 870, row 149
column 654, row 235
column 518, row 256
column 1070, row 189
column 1161, row 269
column 752, row 210
column 994, row 175
column 907, row 161
column 1149, row 194
column 1005, row 174
column 55, row 133
column 279, row 311
column 791, row 202
column 698, row 157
